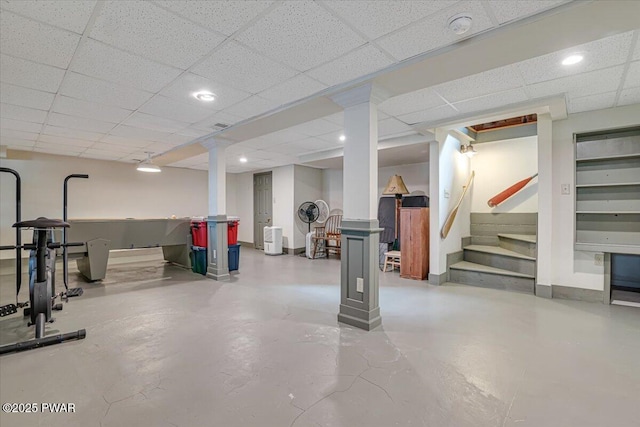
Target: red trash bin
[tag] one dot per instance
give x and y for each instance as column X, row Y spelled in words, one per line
column 199, row 233
column 232, row 232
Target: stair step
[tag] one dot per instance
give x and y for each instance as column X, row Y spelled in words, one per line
column 529, row 238
column 473, row 274
column 497, row 250
column 499, row 257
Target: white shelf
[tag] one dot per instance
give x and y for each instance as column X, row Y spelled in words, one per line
column 612, row 157
column 614, row 249
column 616, row 184
column 608, row 212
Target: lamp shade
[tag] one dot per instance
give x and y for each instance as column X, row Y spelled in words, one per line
column 395, row 186
column 147, row 165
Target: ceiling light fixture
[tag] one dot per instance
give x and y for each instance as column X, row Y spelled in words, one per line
column 468, row 150
column 342, row 138
column 572, row 59
column 147, row 165
column 243, row 159
column 460, row 23
column 205, row 96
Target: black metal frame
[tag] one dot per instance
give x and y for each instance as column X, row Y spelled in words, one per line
column 65, row 253
column 18, row 245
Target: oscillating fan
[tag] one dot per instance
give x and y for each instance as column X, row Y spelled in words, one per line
column 324, row 211
column 308, row 212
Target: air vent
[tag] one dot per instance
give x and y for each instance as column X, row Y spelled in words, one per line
column 219, row 126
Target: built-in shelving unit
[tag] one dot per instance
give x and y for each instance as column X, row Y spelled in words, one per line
column 607, row 203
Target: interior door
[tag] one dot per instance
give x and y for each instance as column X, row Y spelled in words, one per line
column 262, row 207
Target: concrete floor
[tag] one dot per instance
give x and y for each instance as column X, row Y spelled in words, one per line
column 166, row 347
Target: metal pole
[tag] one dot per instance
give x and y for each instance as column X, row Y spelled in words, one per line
column 65, row 253
column 18, row 232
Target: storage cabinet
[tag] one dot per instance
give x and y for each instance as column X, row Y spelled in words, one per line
column 608, row 191
column 414, row 244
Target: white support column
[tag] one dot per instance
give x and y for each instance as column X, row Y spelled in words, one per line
column 545, row 208
column 360, row 231
column 217, row 253
column 437, row 275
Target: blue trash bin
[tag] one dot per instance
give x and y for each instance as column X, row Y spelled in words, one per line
column 234, row 257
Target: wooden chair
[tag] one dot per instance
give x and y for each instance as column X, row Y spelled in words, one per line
column 330, row 234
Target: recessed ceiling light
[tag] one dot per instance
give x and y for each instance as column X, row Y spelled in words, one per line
column 243, row 159
column 342, row 138
column 572, row 59
column 205, row 96
column 460, row 23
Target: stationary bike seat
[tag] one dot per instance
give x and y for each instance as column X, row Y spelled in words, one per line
column 41, row 223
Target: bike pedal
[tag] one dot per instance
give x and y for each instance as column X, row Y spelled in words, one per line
column 74, row 292
column 8, row 309
column 57, row 307
column 26, row 312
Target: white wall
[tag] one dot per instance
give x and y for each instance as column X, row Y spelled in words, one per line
column 243, row 204
column 307, row 187
column 500, row 164
column 283, row 202
column 577, row 268
column 113, row 190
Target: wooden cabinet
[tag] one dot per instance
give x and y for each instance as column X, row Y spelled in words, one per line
column 414, row 244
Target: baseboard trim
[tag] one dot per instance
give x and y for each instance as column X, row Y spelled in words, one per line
column 438, row 279
column 250, row 245
column 577, row 294
column 544, row 291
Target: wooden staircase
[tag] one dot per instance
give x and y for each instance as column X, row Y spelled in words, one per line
column 501, row 256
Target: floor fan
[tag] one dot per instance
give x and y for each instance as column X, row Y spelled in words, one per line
column 308, row 212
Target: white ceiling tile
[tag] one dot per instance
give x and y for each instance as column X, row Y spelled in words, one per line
column 147, row 121
column 333, row 137
column 633, row 75
column 410, row 102
column 131, row 142
column 377, row 18
column 495, row 100
column 337, row 118
column 17, row 143
column 355, row 64
column 184, row 88
column 145, row 29
column 111, row 147
column 599, row 54
column 297, row 88
column 81, row 123
column 100, row 155
column 224, row 16
column 506, row 11
column 35, row 41
column 192, row 133
column 18, row 134
column 71, row 133
column 95, row 90
column 392, row 126
column 17, row 95
column 48, row 147
column 30, row 74
column 19, row 125
column 60, row 140
column 90, row 110
column 135, row 133
column 252, row 106
column 282, row 136
column 629, row 96
column 99, row 60
column 301, row 34
column 222, row 117
column 175, row 110
column 431, row 115
column 480, row 84
column 70, row 15
column 592, row 102
column 586, row 84
column 176, row 139
column 316, row 127
column 242, row 68
column 255, row 143
column 135, row 157
column 433, row 33
column 25, row 114
column 636, row 52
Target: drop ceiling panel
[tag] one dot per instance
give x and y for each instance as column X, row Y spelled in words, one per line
column 629, row 96
column 8, row 111
column 242, row 68
column 100, row 155
column 32, row 40
column 430, row 115
column 18, row 134
column 591, row 102
column 30, row 74
column 73, row 122
column 337, row 118
column 360, row 62
column 60, row 140
column 296, row 88
column 171, row 109
column 508, row 11
column 636, row 52
column 131, row 142
column 99, row 60
column 24, row 97
column 206, row 126
column 70, row 15
column 252, row 107
column 224, row 16
column 586, row 84
column 432, row 33
column 71, row 149
column 175, row 139
column 158, row 147
column 60, row 151
column 301, row 34
column 90, row 110
column 17, row 143
column 91, row 89
column 597, row 55
column 494, row 100
column 377, row 18
column 633, row 75
column 19, row 125
column 112, row 148
column 316, row 127
column 392, row 126
column 333, row 137
column 491, row 81
column 138, row 133
column 147, row 121
column 145, row 29
column 184, row 88
column 282, row 136
column 255, row 143
column 411, row 102
column 71, row 133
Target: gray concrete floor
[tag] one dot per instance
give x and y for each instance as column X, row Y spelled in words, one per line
column 166, row 347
